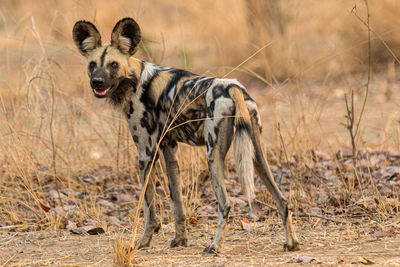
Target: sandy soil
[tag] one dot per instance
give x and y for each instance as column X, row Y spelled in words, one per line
column 322, row 244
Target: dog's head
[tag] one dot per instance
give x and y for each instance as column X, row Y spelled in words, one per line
column 107, row 64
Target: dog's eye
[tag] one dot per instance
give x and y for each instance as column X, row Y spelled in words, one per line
column 114, row 65
column 92, row 65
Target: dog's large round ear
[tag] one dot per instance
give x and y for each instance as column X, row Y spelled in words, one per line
column 86, row 37
column 126, row 36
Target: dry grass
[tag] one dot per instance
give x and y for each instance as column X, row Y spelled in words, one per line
column 55, row 136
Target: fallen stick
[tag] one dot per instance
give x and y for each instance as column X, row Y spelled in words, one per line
column 303, row 214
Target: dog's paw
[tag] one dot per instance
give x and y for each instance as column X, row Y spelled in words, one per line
column 291, row 247
column 179, row 241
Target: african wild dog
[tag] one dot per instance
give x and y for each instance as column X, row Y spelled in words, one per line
column 200, row 110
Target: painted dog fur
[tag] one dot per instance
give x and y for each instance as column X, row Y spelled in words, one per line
column 166, row 106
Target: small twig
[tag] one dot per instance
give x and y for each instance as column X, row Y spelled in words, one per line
column 350, row 124
column 265, row 204
column 247, row 59
column 174, row 256
column 354, row 11
column 303, row 214
column 353, row 125
column 369, row 65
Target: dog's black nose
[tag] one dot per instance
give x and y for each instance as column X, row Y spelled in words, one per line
column 97, row 82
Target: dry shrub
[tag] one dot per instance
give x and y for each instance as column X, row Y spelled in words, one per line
column 123, row 255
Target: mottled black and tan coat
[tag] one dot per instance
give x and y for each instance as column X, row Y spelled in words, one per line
column 177, row 106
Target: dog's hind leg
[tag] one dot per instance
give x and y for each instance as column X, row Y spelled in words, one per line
column 263, row 170
column 218, row 141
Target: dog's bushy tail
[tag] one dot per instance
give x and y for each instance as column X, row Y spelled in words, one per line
column 243, row 146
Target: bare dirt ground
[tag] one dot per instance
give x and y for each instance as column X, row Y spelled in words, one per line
column 322, row 244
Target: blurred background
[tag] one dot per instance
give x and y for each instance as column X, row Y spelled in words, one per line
column 315, row 52
column 307, row 39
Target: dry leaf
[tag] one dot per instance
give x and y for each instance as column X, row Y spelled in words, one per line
column 302, row 259
column 364, row 261
column 44, row 207
column 341, row 261
column 387, row 232
column 248, row 226
column 193, row 220
column 96, row 231
column 245, row 226
column 78, row 231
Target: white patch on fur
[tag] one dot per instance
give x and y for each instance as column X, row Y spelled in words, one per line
column 188, row 83
column 89, row 43
column 252, row 106
column 223, row 107
column 220, row 229
column 171, row 93
column 226, row 82
column 209, row 126
column 244, row 155
column 164, row 68
column 200, row 80
column 216, row 82
column 124, row 43
column 148, row 71
column 209, row 96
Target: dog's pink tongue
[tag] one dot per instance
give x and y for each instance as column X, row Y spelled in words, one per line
column 101, row 92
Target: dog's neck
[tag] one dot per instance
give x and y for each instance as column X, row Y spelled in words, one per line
column 129, row 86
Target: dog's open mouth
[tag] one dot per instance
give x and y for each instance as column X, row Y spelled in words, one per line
column 101, row 92
column 104, row 92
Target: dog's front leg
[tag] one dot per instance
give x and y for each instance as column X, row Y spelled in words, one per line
column 151, row 224
column 173, row 182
